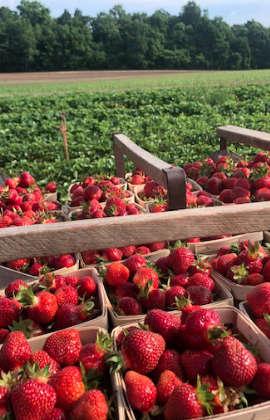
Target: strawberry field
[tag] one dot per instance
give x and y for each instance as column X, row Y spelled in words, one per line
column 176, row 124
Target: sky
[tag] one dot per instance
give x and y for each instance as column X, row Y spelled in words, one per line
column 233, row 11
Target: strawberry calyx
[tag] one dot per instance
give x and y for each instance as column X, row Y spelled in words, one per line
column 9, row 380
column 240, row 273
column 235, row 248
column 216, row 333
column 104, row 341
column 27, row 297
column 267, row 318
column 204, row 396
column 182, row 302
column 24, row 325
column 259, row 172
column 33, row 371
column 144, row 291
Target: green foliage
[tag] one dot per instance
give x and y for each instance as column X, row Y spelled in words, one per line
column 177, row 125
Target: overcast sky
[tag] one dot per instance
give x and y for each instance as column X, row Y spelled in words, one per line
column 233, row 11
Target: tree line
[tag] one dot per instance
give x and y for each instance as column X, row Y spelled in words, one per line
column 33, row 40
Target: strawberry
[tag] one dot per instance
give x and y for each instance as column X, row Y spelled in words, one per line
column 255, row 266
column 202, row 279
column 155, row 299
column 173, row 295
column 66, row 294
column 92, row 192
column 26, row 179
column 126, row 289
column 146, row 277
column 137, row 179
column 64, row 346
column 69, row 281
column 169, row 360
column 92, row 355
column 9, row 311
column 199, row 295
column 181, row 259
column 233, row 363
column 14, row 287
column 92, row 406
column 141, row 391
column 19, row 265
column 113, row 254
column 27, row 326
column 115, row 207
column 263, row 194
column 41, row 307
column 264, row 324
column 261, row 381
column 7, row 382
column 163, row 323
column 90, row 257
column 225, row 262
column 179, row 280
column 184, row 403
column 43, row 360
column 15, row 351
column 141, row 350
column 51, row 187
column 214, row 185
column 55, row 414
column 254, row 278
column 196, row 363
column 3, row 334
column 259, row 299
column 68, row 385
column 132, row 209
column 67, row 316
column 266, row 271
column 157, row 246
column 163, row 264
column 87, row 287
column 158, row 206
column 134, row 262
column 142, row 250
column 64, row 261
column 36, row 269
column 127, row 251
column 165, row 386
column 51, row 282
column 116, row 274
column 129, row 306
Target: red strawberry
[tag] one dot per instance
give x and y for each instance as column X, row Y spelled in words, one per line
column 67, row 316
column 55, row 414
column 15, row 351
column 126, row 289
column 51, row 187
column 52, row 282
column 173, row 295
column 259, row 299
column 163, row 264
column 141, row 391
column 92, row 355
column 199, row 295
column 87, row 287
column 183, row 403
column 181, row 259
column 64, row 261
column 143, row 250
column 225, row 262
column 264, row 324
column 179, row 280
column 132, row 209
column 157, row 246
column 113, row 254
column 115, row 207
column 214, row 185
column 266, row 271
column 92, row 406
column 92, row 192
column 196, row 363
column 27, row 326
column 141, row 350
column 41, row 307
column 163, row 323
column 233, row 363
column 36, row 269
column 9, row 311
column 156, row 299
column 90, row 257
column 202, row 279
column 3, row 334
column 261, row 381
column 137, row 179
column 70, row 281
column 14, row 287
column 116, row 274
column 64, row 346
column 68, row 385
column 255, row 266
column 166, row 384
column 43, row 360
column 263, row 194
column 127, row 251
column 19, row 265
column 129, row 306
column 135, row 262
column 169, row 360
column 26, row 179
column 254, row 278
column 158, row 206
column 66, row 294
column 146, row 277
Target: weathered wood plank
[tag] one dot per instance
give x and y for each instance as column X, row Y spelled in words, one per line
column 233, row 134
column 120, row 231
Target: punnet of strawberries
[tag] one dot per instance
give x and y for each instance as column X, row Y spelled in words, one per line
column 234, row 182
column 246, row 263
column 53, row 302
column 64, row 379
column 40, row 265
column 23, row 202
column 173, row 282
column 113, row 207
column 137, row 177
column 189, row 366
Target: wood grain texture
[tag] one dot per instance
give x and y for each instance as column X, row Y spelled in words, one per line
column 233, row 134
column 81, row 235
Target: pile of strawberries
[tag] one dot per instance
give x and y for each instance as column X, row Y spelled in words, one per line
column 258, row 302
column 64, row 379
column 93, row 257
column 179, row 280
column 54, row 302
column 246, row 263
column 190, row 366
column 234, row 182
column 41, row 265
column 22, row 202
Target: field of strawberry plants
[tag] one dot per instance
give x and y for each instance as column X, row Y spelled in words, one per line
column 176, row 124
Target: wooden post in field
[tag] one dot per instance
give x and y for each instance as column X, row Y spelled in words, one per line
column 63, row 131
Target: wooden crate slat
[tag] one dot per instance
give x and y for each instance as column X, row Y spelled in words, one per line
column 233, row 134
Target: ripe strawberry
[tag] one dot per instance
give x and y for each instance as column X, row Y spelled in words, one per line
column 163, row 323
column 3, row 334
column 68, row 385
column 36, row 269
column 19, row 265
column 134, row 262
column 202, row 279
column 51, row 187
column 141, row 350
column 157, row 246
column 165, row 386
column 64, row 261
column 173, row 295
column 87, row 287
column 90, row 257
column 64, row 346
column 41, row 307
column 9, row 311
column 199, row 295
column 143, row 250
column 255, row 266
column 92, row 192
column 115, row 207
column 43, row 360
column 27, row 326
column 126, row 290
column 233, row 363
column 116, row 274
column 69, row 280
column 254, row 278
column 14, row 287
column 146, row 277
column 169, row 360
column 137, row 179
column 113, row 254
column 263, row 194
column 214, row 185
column 26, row 179
column 184, row 403
column 127, row 251
column 259, row 299
column 55, row 414
column 266, row 271
column 67, row 316
column 179, row 280
column 141, row 391
column 196, row 363
column 92, row 355
column 163, row 264
column 158, row 206
column 15, row 351
column 66, row 294
column 225, row 262
column 132, row 209
column 155, row 299
column 129, row 306
column 181, row 259
column 264, row 324
column 92, row 406
column 261, row 381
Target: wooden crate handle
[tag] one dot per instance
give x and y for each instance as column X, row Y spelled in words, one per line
column 171, row 177
column 238, row 135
